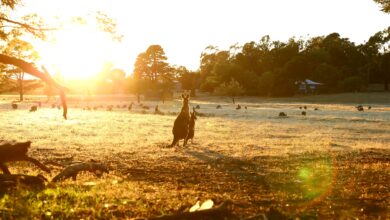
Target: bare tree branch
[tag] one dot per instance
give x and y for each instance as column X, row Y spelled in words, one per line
column 26, row 26
column 32, row 70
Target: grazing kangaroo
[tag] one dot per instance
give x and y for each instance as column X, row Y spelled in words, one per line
column 191, row 127
column 33, row 108
column 282, row 114
column 180, row 127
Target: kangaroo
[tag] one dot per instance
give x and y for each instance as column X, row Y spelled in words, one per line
column 191, row 127
column 33, row 108
column 157, row 111
column 180, row 127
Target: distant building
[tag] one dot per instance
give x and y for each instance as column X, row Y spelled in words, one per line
column 308, row 86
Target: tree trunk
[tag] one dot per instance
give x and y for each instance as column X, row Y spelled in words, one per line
column 21, row 90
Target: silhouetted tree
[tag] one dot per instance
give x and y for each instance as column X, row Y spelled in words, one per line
column 34, row 25
column 152, row 73
column 232, row 89
column 385, row 4
column 22, row 50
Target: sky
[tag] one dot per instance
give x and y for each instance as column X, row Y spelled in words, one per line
column 184, row 28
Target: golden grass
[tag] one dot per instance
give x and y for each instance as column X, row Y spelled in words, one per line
column 333, row 163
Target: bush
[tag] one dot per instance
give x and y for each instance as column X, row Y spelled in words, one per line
column 266, row 84
column 351, row 84
column 232, row 88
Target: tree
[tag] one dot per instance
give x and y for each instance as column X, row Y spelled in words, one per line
column 140, row 70
column 34, row 25
column 266, row 84
column 22, row 50
column 35, row 28
column 232, row 89
column 187, row 79
column 385, row 4
column 212, row 68
column 374, row 51
column 152, row 73
column 110, row 80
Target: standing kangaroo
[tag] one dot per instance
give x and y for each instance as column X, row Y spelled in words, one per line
column 180, row 127
column 191, row 127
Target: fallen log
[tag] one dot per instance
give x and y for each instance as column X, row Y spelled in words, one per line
column 17, row 151
column 72, row 170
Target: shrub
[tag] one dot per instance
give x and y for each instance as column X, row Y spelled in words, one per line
column 351, row 84
column 232, row 88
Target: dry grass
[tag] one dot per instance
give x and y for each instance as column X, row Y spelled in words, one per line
column 333, row 163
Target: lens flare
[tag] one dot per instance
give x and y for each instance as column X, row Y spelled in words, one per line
column 316, row 178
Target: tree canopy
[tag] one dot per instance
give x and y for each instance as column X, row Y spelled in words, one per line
column 385, row 4
column 152, row 72
column 272, row 68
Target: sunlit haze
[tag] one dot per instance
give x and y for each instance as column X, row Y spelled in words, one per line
column 185, row 28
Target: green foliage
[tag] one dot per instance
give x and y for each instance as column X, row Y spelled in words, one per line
column 352, row 84
column 272, row 68
column 232, row 88
column 153, row 76
column 188, row 79
column 20, row 49
column 267, row 81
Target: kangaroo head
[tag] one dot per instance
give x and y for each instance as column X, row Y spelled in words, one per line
column 186, row 98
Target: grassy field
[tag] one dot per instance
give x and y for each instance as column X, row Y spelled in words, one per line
column 333, row 163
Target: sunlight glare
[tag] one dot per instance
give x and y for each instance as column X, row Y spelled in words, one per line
column 78, row 52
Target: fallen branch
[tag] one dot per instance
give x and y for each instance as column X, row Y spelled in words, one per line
column 72, row 170
column 17, row 151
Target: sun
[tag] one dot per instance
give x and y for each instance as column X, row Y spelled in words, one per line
column 78, row 52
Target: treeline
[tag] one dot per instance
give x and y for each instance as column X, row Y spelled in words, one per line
column 264, row 68
column 272, row 68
